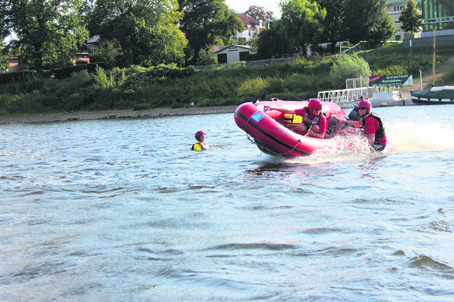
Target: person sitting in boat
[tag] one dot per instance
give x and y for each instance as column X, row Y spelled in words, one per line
column 200, row 145
column 372, row 124
column 354, row 114
column 313, row 123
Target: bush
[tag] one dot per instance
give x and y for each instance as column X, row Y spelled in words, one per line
column 207, row 58
column 65, row 72
column 448, row 78
column 11, row 77
column 81, row 62
column 348, row 67
column 391, row 70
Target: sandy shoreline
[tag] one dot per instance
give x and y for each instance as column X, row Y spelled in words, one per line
column 152, row 113
column 114, row 114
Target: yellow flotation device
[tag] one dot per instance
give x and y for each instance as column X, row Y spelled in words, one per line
column 292, row 119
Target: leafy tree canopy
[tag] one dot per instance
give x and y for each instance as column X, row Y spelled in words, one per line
column 270, row 42
column 366, row 20
column 302, row 23
column 146, row 30
column 259, row 13
column 207, row 23
column 44, row 29
column 411, row 18
column 335, row 14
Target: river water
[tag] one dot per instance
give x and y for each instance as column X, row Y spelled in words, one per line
column 121, row 210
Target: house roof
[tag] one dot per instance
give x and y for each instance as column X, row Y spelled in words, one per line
column 403, row 2
column 93, row 39
column 244, row 47
column 247, row 20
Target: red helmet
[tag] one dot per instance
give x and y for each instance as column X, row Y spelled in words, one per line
column 198, row 134
column 365, row 104
column 315, row 104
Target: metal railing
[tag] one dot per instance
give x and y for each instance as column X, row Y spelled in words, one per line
column 247, row 64
column 271, row 61
column 350, row 50
column 342, row 95
column 353, row 94
column 211, row 67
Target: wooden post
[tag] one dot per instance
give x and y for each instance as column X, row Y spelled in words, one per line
column 433, row 71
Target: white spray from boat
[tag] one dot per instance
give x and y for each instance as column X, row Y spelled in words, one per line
column 421, row 135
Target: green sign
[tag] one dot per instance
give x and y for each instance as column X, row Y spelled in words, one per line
column 393, row 80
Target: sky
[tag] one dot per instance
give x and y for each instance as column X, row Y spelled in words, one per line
column 242, row 5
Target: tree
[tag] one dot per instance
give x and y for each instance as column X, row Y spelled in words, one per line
column 411, row 18
column 146, row 30
column 258, row 13
column 366, row 20
column 333, row 21
column 302, row 23
column 43, row 29
column 271, row 43
column 206, row 23
column 207, row 57
column 383, row 29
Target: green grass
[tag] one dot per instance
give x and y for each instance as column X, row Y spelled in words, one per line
column 140, row 88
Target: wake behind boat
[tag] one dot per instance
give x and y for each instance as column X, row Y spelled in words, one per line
column 271, row 129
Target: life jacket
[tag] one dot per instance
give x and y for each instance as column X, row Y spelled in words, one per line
column 203, row 146
column 295, row 120
column 380, row 132
column 292, row 119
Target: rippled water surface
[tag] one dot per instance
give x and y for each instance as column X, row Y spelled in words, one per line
column 121, row 210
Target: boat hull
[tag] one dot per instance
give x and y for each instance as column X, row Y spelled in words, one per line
column 274, row 138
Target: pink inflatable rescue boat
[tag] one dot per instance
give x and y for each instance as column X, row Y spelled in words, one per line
column 271, row 129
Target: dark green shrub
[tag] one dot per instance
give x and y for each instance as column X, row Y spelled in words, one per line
column 10, row 77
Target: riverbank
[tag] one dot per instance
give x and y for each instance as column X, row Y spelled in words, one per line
column 113, row 114
column 162, row 112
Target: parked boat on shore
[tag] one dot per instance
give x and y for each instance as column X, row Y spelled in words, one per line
column 434, row 96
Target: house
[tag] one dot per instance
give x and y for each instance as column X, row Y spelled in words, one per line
column 93, row 43
column 252, row 28
column 232, row 53
column 13, row 63
column 82, row 56
column 395, row 8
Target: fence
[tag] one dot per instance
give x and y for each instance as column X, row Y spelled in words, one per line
column 353, row 94
column 342, row 95
column 247, row 64
column 361, row 46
